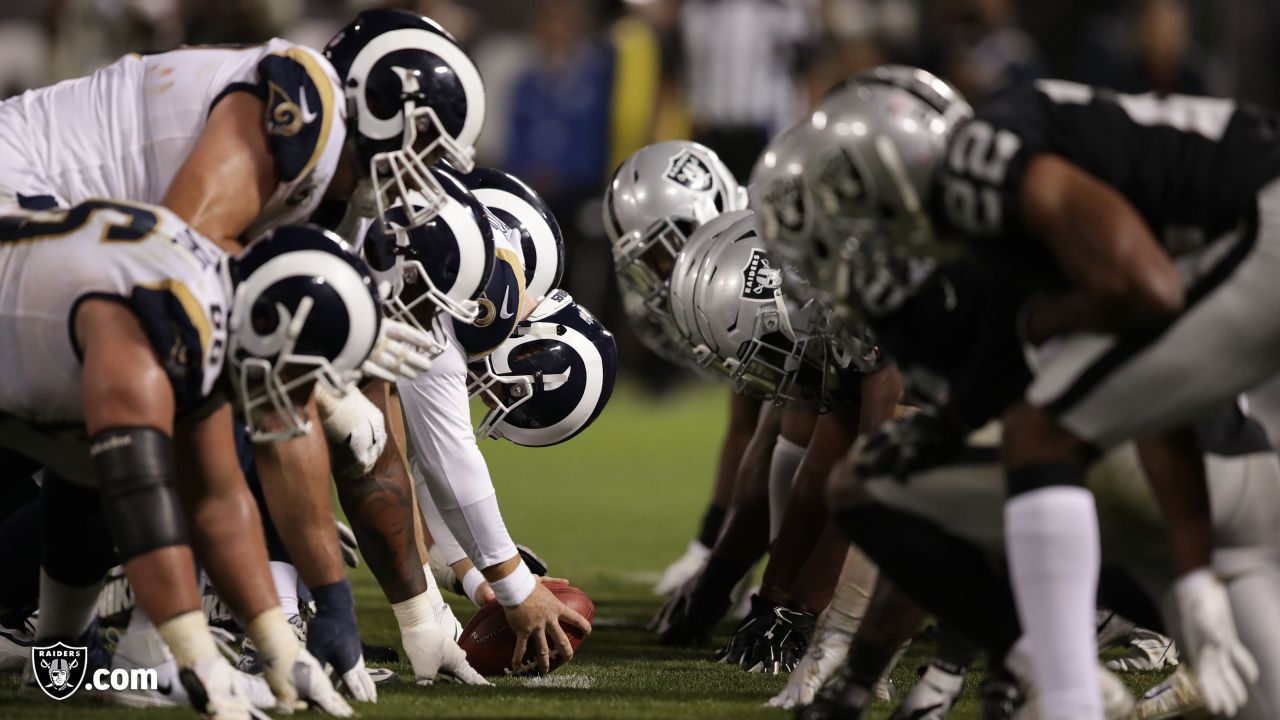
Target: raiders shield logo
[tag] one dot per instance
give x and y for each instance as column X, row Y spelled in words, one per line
column 784, row 203
column 841, row 183
column 759, row 281
column 688, row 170
column 59, row 669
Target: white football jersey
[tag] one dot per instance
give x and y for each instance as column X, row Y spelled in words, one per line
column 141, row 256
column 123, row 131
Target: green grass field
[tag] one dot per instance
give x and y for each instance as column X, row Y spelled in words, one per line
column 608, row 511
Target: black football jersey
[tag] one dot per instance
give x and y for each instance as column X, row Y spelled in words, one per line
column 1191, row 166
column 956, row 342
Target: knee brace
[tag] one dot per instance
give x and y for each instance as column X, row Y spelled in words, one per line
column 135, row 474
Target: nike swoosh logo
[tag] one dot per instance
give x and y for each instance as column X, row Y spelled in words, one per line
column 504, row 313
column 307, row 115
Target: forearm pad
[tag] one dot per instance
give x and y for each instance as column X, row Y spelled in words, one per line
column 135, row 473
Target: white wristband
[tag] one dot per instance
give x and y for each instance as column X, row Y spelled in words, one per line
column 471, row 583
column 516, row 587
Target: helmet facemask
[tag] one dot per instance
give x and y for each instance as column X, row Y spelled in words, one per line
column 408, row 168
column 503, row 394
column 272, row 394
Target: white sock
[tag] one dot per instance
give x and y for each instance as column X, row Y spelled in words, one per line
column 141, row 642
column 65, row 610
column 782, row 471
column 1052, row 540
column 285, row 577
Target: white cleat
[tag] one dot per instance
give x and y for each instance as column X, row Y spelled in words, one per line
column 1148, row 651
column 826, row 652
column 1117, row 701
column 1176, row 697
column 933, row 696
column 679, row 572
column 15, row 645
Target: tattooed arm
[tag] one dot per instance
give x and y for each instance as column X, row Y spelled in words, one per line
column 380, row 508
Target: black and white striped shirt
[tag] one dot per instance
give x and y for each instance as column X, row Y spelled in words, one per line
column 740, row 58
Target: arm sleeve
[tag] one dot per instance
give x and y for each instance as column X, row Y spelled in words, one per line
column 443, row 447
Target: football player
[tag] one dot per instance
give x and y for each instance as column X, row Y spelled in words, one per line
column 456, row 491
column 237, row 141
column 1049, row 176
column 655, row 200
column 158, row 316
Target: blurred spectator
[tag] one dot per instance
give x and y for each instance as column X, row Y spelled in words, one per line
column 1163, row 59
column 981, row 47
column 859, row 35
column 559, row 134
column 742, row 59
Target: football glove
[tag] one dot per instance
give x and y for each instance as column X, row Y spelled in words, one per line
column 909, row 445
column 771, row 640
column 1222, row 666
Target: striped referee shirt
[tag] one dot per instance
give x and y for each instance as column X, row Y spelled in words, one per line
column 739, row 61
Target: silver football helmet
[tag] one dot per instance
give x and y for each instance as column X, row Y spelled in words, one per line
column 762, row 336
column 655, row 200
column 684, row 278
column 872, row 155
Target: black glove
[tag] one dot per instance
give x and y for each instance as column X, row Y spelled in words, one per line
column 771, row 640
column 694, row 608
column 909, row 445
column 332, row 635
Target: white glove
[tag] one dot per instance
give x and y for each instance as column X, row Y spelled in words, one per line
column 313, row 685
column 434, row 655
column 351, row 421
column 827, row 651
column 359, row 684
column 1222, row 665
column 402, row 351
column 224, row 698
column 685, row 567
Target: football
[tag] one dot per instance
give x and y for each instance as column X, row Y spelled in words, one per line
column 489, row 641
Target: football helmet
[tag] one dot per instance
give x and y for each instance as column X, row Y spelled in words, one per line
column 684, row 278
column 519, row 208
column 413, row 97
column 442, row 264
column 879, row 142
column 657, row 197
column 760, row 333
column 551, row 379
column 304, row 308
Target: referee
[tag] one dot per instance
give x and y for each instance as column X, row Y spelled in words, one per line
column 741, row 62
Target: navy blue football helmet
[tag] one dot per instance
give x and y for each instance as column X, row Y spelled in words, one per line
column 413, row 98
column 551, row 379
column 500, row 305
column 519, row 208
column 304, row 308
column 443, row 264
